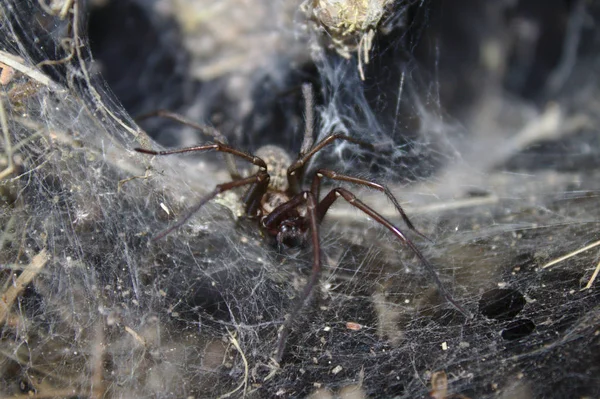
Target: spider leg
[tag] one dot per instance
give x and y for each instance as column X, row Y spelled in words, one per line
column 253, row 196
column 352, row 200
column 205, row 129
column 261, row 178
column 309, row 118
column 316, row 186
column 210, row 147
column 295, row 169
column 272, row 220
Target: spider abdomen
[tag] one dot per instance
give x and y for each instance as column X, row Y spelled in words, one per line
column 277, row 161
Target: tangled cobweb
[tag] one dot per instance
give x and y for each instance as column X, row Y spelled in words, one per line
column 491, row 124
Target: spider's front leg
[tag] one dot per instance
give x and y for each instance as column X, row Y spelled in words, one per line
column 295, row 171
column 276, row 220
column 217, row 146
column 316, row 188
column 205, row 129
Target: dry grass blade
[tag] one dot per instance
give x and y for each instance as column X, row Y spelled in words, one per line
column 244, row 383
column 28, row 274
column 571, row 254
column 19, row 64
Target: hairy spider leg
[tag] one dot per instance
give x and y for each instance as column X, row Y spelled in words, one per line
column 309, row 118
column 294, row 172
column 352, row 200
column 252, row 198
column 272, row 221
column 261, row 179
column 210, row 147
column 205, row 129
column 316, row 187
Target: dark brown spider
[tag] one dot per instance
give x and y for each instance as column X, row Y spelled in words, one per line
column 284, row 211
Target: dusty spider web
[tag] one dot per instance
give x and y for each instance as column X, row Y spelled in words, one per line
column 90, row 309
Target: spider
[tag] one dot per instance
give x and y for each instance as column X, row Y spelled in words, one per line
column 284, row 211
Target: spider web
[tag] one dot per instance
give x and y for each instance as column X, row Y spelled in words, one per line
column 485, row 119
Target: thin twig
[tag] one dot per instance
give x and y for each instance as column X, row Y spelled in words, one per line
column 19, row 64
column 65, row 9
column 53, row 10
column 138, row 338
column 244, row 383
column 122, row 182
column 7, row 144
column 571, row 254
column 10, row 295
column 68, row 58
column 593, row 278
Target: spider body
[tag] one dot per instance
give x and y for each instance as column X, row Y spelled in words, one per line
column 277, row 161
column 290, row 229
column 284, row 210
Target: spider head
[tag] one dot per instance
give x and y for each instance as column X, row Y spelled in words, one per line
column 291, row 233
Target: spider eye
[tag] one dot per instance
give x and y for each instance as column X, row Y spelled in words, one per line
column 290, row 235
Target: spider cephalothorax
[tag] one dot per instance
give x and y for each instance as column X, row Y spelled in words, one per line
column 283, row 209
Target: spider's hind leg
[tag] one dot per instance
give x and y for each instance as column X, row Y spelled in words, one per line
column 334, row 194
